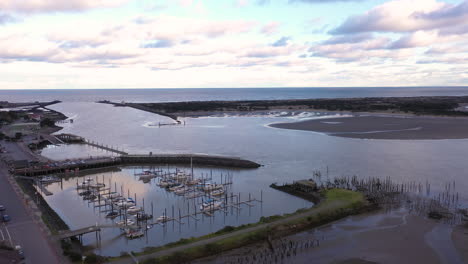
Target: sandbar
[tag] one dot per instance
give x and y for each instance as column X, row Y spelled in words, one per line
column 386, row 127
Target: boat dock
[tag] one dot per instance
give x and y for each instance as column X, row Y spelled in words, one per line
column 74, row 139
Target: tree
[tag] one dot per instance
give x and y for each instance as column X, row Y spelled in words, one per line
column 18, row 135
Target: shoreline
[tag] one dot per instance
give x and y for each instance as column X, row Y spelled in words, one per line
column 385, row 127
column 422, row 105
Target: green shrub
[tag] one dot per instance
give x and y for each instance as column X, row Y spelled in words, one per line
column 226, row 229
column 213, row 248
column 94, row 259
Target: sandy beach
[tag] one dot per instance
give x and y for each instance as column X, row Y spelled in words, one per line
column 386, row 127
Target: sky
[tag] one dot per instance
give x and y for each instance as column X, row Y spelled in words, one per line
column 71, row 44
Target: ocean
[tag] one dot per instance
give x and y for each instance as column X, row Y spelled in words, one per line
column 177, row 95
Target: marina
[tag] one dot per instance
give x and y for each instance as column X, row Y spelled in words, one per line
column 193, row 202
column 142, row 180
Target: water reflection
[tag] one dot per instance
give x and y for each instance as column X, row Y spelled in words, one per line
column 79, row 213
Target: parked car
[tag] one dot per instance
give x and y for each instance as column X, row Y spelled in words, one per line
column 6, row 218
column 20, row 251
column 2, row 208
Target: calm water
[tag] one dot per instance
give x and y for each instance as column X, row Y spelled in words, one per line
column 287, row 155
column 172, row 95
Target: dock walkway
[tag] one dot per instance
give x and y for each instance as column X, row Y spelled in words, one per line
column 85, row 230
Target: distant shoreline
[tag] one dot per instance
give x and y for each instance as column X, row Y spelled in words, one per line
column 421, row 105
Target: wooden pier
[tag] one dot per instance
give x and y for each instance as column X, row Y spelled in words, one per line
column 105, row 147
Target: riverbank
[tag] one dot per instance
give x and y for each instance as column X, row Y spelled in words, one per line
column 337, row 203
column 385, row 127
column 395, row 236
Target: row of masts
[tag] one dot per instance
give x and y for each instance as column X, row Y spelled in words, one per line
column 133, row 217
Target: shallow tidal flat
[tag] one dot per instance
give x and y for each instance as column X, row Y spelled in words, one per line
column 386, row 127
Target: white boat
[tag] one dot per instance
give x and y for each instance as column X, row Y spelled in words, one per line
column 125, row 223
column 193, row 182
column 83, row 185
column 215, row 205
column 134, row 209
column 164, row 183
column 134, row 233
column 175, row 188
column 218, row 192
column 147, row 176
column 162, row 218
column 97, row 185
column 193, row 195
column 182, row 191
column 180, row 175
column 113, row 195
column 125, row 204
column 145, row 173
column 212, row 187
column 208, row 202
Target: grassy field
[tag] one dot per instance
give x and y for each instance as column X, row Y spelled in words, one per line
column 336, row 204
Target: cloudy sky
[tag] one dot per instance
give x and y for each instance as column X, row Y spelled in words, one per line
column 232, row 43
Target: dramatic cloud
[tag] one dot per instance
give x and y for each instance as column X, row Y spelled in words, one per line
column 284, row 41
column 154, row 42
column 417, row 39
column 36, row 6
column 406, row 16
column 362, row 48
column 18, row 48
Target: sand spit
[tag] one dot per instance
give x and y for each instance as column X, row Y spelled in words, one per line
column 386, row 127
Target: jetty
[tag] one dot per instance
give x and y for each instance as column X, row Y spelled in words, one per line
column 75, row 166
column 195, row 159
column 141, row 107
column 124, row 158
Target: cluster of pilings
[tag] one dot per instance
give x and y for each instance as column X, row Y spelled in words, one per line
column 275, row 251
column 415, row 196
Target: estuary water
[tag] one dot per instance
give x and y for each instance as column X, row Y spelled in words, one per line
column 286, row 155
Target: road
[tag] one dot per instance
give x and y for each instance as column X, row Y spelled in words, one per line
column 333, row 205
column 24, row 228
